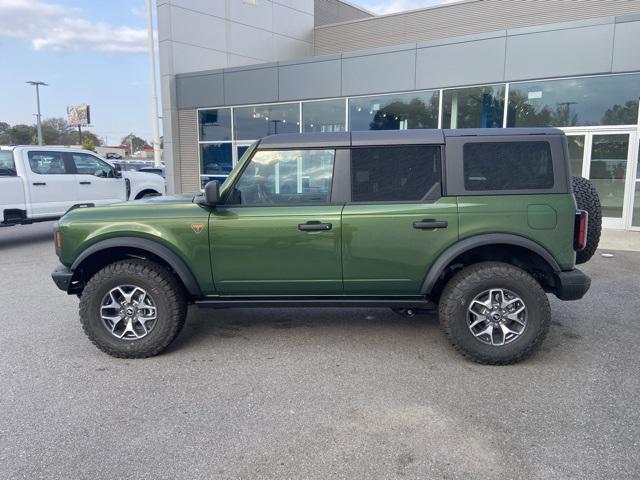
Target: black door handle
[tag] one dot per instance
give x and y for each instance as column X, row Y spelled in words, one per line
column 308, row 227
column 38, row 184
column 85, row 183
column 430, row 224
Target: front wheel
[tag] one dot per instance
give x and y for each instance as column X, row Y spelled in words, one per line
column 494, row 313
column 133, row 308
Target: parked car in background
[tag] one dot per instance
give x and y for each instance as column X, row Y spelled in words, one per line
column 157, row 170
column 42, row 183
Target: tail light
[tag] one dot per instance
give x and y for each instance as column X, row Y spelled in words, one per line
column 580, row 230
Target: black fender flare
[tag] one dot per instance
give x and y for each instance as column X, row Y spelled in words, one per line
column 478, row 241
column 174, row 261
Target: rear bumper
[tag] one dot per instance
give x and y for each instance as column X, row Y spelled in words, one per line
column 571, row 285
column 62, row 277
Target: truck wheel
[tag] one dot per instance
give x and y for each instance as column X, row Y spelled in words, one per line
column 494, row 313
column 587, row 199
column 133, row 308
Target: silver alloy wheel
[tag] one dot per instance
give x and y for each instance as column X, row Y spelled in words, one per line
column 128, row 312
column 497, row 317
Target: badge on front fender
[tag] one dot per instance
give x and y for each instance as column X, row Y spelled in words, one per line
column 197, row 228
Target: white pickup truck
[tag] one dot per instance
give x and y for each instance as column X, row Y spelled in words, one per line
column 42, row 183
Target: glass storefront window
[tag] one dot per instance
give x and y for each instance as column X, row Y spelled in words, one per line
column 576, row 153
column 327, row 116
column 394, row 112
column 215, row 124
column 607, row 100
column 476, row 107
column 608, row 171
column 216, row 158
column 252, row 123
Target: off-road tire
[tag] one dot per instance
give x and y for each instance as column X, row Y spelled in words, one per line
column 166, row 290
column 587, row 199
column 471, row 281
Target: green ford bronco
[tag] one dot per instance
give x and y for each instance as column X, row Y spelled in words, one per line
column 482, row 223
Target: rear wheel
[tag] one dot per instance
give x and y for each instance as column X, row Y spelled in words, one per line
column 587, row 199
column 133, row 308
column 494, row 313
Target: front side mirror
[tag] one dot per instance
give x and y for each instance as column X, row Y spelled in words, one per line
column 212, row 193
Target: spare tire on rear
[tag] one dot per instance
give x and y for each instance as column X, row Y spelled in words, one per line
column 587, row 199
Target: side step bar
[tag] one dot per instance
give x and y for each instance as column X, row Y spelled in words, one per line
column 314, row 302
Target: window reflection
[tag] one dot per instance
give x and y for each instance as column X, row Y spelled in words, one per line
column 323, row 116
column 252, row 123
column 394, row 112
column 610, row 100
column 576, row 153
column 477, row 107
column 215, row 124
column 286, row 177
column 608, row 171
column 216, row 158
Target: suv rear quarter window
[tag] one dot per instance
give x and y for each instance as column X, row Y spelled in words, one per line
column 501, row 166
column 395, row 174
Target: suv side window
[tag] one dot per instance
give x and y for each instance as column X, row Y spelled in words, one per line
column 396, row 174
column 47, row 163
column 286, row 177
column 507, row 166
column 87, row 164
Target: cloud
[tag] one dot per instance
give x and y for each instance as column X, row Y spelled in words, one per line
column 50, row 26
column 394, row 6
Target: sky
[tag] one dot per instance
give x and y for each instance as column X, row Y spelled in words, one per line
column 93, row 52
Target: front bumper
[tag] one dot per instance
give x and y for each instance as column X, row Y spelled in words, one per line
column 62, row 277
column 571, row 285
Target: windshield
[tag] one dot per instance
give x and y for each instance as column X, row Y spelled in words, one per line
column 7, row 167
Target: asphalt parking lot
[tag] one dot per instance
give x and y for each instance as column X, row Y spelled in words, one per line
column 323, row 393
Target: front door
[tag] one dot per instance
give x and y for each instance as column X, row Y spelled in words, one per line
column 52, row 184
column 396, row 223
column 606, row 157
column 97, row 182
column 279, row 233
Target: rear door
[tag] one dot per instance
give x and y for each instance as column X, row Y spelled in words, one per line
column 96, row 179
column 397, row 222
column 279, row 232
column 51, row 182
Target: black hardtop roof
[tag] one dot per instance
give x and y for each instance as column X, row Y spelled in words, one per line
column 391, row 137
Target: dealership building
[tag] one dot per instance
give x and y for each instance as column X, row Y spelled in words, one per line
column 234, row 71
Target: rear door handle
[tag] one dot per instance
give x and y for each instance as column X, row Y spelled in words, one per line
column 38, row 184
column 85, row 183
column 309, row 227
column 430, row 224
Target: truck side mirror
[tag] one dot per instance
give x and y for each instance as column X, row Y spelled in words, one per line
column 212, row 193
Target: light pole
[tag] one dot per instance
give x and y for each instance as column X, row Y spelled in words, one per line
column 154, row 95
column 38, row 116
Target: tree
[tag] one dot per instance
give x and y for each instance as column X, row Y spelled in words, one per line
column 55, row 131
column 135, row 142
column 88, row 144
column 74, row 138
column 22, row 134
